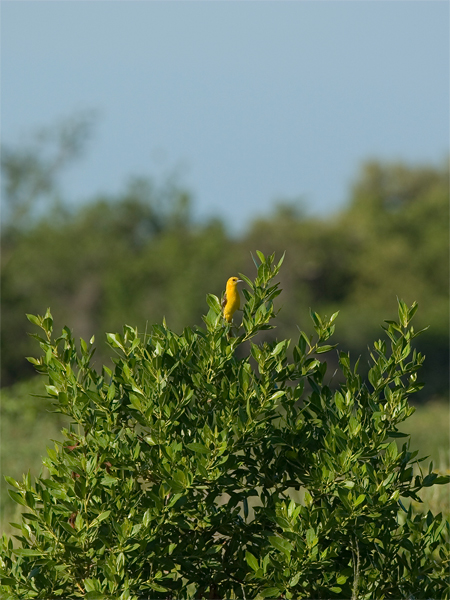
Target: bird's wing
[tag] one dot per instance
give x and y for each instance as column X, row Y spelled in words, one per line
column 224, row 300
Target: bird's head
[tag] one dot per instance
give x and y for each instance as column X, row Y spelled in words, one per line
column 234, row 281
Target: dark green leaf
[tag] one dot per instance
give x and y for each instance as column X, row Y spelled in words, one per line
column 271, row 592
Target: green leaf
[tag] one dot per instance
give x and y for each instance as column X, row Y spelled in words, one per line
column 322, row 349
column 157, row 587
column 441, row 479
column 311, row 538
column 402, row 313
column 339, row 401
column 28, row 552
column 429, row 479
column 52, row 391
column 147, row 517
column 176, row 485
column 280, row 262
column 11, row 481
column 281, row 544
column 101, row 517
column 33, row 361
column 200, row 448
column 150, row 440
column 17, row 498
column 214, row 303
column 412, row 310
column 333, row 317
column 29, row 499
column 248, row 281
column 304, row 341
column 251, row 561
column 255, row 262
column 35, row 320
column 392, row 450
column 408, row 545
column 343, row 495
column 397, row 434
column 261, row 257
column 80, row 487
column 358, row 501
column 316, row 319
column 109, row 481
column 135, row 402
column 308, row 498
column 272, row 592
column 245, row 505
column 278, row 348
column 348, row 484
column 51, row 484
column 115, row 340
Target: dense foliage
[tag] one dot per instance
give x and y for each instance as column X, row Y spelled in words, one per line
column 139, row 256
column 207, row 465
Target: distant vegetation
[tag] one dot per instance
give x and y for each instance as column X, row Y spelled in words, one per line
column 140, row 256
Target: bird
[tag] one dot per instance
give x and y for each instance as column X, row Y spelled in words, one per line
column 231, row 300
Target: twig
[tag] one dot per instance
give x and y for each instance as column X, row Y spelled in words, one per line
column 355, row 570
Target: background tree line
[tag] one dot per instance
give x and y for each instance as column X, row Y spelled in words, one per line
column 140, row 256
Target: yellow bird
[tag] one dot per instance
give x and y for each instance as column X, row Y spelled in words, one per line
column 231, row 300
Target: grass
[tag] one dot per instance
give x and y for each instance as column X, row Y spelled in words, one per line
column 429, row 427
column 27, row 428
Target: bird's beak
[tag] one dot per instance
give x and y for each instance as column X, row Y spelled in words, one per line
column 240, row 281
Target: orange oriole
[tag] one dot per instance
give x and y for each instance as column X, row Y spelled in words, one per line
column 231, row 300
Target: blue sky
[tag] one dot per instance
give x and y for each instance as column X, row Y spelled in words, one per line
column 252, row 101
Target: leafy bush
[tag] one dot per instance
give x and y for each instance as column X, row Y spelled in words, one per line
column 209, row 466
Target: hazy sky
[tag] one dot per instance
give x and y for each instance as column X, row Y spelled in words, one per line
column 256, row 100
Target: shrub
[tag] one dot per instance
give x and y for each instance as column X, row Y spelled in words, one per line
column 209, row 466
